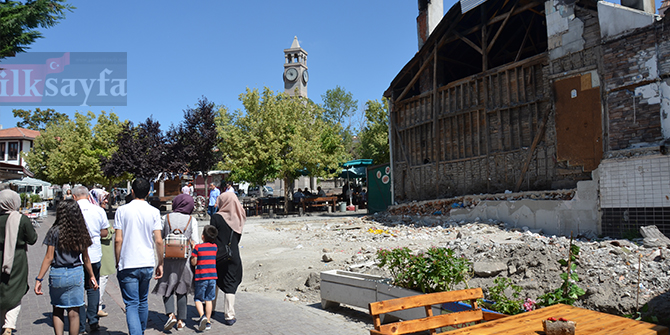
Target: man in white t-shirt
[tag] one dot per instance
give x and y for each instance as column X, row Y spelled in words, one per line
column 138, row 231
column 97, row 224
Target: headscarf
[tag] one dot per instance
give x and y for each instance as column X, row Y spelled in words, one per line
column 97, row 196
column 10, row 202
column 183, row 203
column 232, row 211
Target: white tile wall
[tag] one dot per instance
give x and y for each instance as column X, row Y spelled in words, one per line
column 635, row 182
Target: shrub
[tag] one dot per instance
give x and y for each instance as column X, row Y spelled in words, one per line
column 435, row 270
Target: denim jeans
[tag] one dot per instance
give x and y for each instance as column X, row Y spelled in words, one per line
column 90, row 310
column 134, row 285
column 211, row 210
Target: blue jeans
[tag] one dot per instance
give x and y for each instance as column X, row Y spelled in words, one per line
column 211, row 210
column 134, row 285
column 92, row 297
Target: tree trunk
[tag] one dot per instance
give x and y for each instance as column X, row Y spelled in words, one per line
column 285, row 195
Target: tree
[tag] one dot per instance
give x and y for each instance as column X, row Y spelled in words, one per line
column 70, row 151
column 195, row 139
column 39, row 119
column 279, row 136
column 19, row 19
column 142, row 152
column 338, row 104
column 374, row 136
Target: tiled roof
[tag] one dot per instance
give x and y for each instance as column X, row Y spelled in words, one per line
column 18, row 133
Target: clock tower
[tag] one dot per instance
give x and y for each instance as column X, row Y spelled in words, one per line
column 295, row 69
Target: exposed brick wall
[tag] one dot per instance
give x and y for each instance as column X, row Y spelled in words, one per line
column 633, row 61
column 630, row 125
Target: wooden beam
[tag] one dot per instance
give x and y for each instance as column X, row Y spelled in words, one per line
column 468, row 42
column 492, row 21
column 485, row 38
column 493, row 41
column 536, row 141
column 415, row 78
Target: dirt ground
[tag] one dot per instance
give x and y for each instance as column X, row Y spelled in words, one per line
column 280, row 254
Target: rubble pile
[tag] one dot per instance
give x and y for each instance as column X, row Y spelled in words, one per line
column 607, row 268
column 443, row 206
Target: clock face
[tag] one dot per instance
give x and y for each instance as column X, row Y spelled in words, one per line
column 291, row 74
column 305, row 76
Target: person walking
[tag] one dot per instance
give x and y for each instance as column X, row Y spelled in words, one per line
column 17, row 234
column 107, row 267
column 213, row 195
column 97, row 225
column 67, row 244
column 229, row 223
column 138, row 230
column 204, row 260
column 177, row 273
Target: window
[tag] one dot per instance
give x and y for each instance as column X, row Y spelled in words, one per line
column 13, row 151
column 2, row 151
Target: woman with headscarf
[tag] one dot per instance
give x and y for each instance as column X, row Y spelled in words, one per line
column 229, row 221
column 18, row 233
column 177, row 274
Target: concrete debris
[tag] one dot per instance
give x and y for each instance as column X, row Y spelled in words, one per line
column 313, row 281
column 653, row 238
column 488, row 269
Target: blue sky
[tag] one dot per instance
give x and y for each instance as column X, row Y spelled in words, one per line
column 179, row 51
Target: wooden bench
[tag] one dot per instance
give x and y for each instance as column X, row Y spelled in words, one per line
column 430, row 322
column 318, row 202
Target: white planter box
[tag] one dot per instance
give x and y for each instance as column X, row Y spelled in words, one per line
column 356, row 289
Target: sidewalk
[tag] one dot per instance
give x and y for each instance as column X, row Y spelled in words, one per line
column 255, row 313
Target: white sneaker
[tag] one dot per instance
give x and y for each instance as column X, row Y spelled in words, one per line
column 171, row 321
column 202, row 324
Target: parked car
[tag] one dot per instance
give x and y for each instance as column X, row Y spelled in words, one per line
column 255, row 191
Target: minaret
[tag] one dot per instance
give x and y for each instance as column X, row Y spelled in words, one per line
column 295, row 69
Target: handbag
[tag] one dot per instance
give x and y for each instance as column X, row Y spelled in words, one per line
column 176, row 243
column 227, row 252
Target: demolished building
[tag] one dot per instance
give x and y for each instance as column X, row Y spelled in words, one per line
column 528, row 95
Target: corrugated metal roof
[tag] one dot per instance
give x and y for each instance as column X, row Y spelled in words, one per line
column 467, row 5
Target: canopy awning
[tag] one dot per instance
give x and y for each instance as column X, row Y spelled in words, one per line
column 358, row 163
column 27, row 181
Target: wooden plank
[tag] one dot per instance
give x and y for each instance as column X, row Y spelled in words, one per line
column 493, row 41
column 421, row 300
column 468, row 42
column 438, row 321
column 414, row 79
column 538, row 137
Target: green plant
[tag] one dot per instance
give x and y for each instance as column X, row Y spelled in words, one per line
column 569, row 291
column 435, row 270
column 35, row 198
column 503, row 303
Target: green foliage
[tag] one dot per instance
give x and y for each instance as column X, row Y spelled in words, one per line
column 20, row 19
column 38, row 119
column 503, row 303
column 70, row 150
column 277, row 136
column 569, row 291
column 35, row 198
column 374, row 136
column 435, row 270
column 337, row 105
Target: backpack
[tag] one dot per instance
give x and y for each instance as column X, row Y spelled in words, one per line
column 176, row 243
